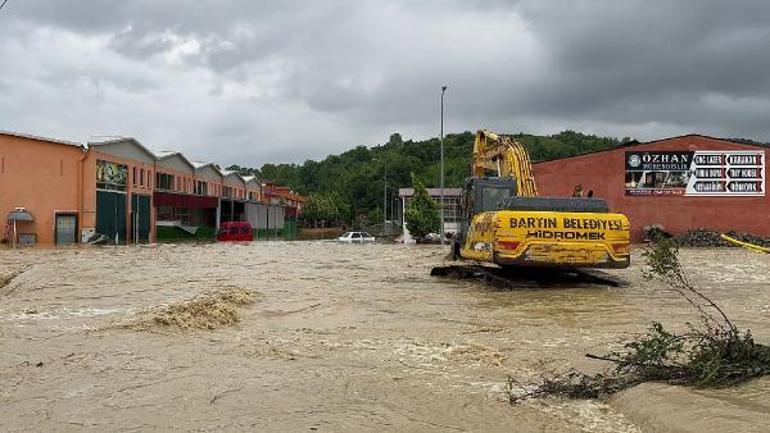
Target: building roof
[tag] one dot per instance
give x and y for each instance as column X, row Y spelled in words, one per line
column 634, row 143
column 40, row 138
column 433, row 192
column 730, row 140
column 227, row 173
column 160, row 155
column 252, row 179
column 202, row 165
column 112, row 139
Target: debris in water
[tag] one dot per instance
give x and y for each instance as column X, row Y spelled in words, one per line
column 477, row 353
column 6, row 279
column 206, row 311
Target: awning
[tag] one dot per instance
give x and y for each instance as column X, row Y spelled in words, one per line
column 184, row 200
column 20, row 215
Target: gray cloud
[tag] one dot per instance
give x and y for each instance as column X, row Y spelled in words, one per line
column 254, row 82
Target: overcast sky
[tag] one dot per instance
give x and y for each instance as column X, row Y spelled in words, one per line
column 252, row 81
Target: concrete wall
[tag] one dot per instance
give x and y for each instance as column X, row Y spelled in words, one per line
column 41, row 176
column 263, row 216
column 604, row 173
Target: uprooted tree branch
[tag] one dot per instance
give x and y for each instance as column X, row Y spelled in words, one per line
column 714, row 353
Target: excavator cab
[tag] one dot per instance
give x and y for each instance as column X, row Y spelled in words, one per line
column 481, row 194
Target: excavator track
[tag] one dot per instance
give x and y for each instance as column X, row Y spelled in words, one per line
column 528, row 278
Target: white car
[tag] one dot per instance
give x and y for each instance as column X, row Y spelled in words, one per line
column 359, row 237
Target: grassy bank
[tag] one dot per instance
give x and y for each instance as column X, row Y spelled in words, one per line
column 175, row 234
column 307, row 234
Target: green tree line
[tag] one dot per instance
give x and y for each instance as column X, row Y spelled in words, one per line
column 353, row 181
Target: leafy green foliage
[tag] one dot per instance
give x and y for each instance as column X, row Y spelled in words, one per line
column 245, row 171
column 328, row 209
column 716, row 354
column 422, row 213
column 358, row 175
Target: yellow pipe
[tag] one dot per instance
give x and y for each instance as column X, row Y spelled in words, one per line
column 748, row 246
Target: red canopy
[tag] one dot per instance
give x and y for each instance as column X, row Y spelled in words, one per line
column 184, row 200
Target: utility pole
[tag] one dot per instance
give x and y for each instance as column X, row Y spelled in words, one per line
column 441, row 139
column 385, row 199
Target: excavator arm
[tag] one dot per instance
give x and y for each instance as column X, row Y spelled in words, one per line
column 507, row 158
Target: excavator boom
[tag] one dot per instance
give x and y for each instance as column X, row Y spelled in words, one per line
column 507, row 158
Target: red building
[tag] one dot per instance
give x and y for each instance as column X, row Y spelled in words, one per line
column 681, row 183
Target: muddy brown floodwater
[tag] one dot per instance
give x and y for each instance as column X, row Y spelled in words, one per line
column 318, row 336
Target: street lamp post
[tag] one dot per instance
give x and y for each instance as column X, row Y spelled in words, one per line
column 441, row 139
column 385, row 199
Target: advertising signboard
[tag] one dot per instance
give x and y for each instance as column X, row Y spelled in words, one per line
column 698, row 173
column 111, row 176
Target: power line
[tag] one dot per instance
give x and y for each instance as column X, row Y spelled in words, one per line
column 3, row 5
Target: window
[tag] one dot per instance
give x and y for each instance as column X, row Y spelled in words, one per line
column 133, row 176
column 233, row 230
column 356, row 235
column 201, row 188
column 141, row 178
column 182, row 214
column 491, row 197
column 164, row 181
column 165, row 213
column 245, row 229
column 227, row 192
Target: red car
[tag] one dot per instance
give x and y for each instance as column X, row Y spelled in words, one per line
column 235, row 231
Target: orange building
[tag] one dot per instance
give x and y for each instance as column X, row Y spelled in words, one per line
column 118, row 189
column 44, row 177
column 118, row 185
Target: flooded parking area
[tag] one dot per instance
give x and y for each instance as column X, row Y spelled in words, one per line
column 319, row 336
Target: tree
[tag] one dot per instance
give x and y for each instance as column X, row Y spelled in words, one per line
column 395, row 140
column 326, row 208
column 356, row 176
column 422, row 213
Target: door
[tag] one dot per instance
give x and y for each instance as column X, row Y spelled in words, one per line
column 111, row 215
column 140, row 209
column 66, row 229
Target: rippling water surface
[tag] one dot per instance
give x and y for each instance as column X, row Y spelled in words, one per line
column 341, row 338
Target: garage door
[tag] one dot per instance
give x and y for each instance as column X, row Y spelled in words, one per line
column 111, row 215
column 140, row 209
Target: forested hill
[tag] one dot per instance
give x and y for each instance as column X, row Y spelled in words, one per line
column 358, row 174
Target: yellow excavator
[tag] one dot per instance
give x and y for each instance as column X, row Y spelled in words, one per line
column 506, row 223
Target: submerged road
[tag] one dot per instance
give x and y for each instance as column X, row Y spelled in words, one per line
column 340, row 338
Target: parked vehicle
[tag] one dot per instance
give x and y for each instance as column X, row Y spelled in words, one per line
column 356, row 237
column 235, row 231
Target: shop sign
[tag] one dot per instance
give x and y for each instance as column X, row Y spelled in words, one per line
column 110, row 175
column 698, row 173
